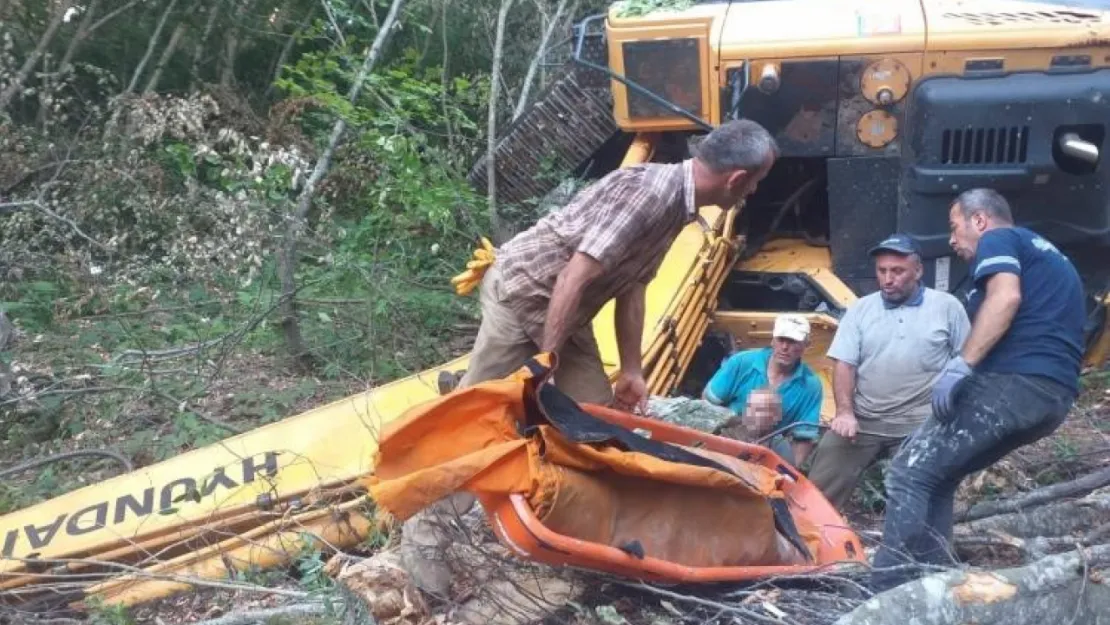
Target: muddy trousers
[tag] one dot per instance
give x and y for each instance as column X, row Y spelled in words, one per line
column 993, row 415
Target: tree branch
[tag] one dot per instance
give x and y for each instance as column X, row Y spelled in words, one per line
column 491, row 130
column 1080, row 486
column 151, row 44
column 31, row 464
column 263, row 616
column 287, row 258
column 541, row 52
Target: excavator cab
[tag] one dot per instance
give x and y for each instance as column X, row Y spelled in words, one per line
column 884, row 113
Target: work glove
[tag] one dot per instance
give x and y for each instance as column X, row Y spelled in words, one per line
column 944, row 391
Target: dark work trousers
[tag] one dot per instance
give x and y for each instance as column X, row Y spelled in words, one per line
column 993, row 414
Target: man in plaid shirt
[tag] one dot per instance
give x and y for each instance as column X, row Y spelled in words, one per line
column 549, row 281
column 547, row 284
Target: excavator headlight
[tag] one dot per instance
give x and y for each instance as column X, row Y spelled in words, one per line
column 670, row 68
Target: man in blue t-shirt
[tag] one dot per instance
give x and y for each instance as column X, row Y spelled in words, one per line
column 1012, row 384
column 778, row 368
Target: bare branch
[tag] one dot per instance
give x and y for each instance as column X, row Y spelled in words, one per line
column 334, row 24
column 151, row 43
column 260, row 616
column 38, row 204
column 167, row 53
column 107, row 18
column 491, row 130
column 104, row 453
column 198, row 52
column 16, row 85
column 1080, row 486
column 541, row 52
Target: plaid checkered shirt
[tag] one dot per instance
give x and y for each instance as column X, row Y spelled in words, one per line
column 626, row 221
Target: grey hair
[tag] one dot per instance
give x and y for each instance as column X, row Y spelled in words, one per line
column 986, row 201
column 737, row 144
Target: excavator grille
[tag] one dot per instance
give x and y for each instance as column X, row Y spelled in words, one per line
column 566, row 124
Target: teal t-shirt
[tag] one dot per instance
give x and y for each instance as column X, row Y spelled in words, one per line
column 746, row 371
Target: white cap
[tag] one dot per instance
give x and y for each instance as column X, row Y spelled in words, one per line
column 791, row 327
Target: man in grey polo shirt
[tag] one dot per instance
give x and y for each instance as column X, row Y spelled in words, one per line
column 889, row 348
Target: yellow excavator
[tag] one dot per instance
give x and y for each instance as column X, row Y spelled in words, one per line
column 884, row 111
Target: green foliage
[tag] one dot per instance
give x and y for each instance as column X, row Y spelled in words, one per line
column 639, row 8
column 101, row 613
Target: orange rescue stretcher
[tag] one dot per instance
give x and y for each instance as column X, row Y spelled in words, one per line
column 590, row 487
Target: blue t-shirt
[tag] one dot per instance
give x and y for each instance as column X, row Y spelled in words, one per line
column 1046, row 336
column 746, row 371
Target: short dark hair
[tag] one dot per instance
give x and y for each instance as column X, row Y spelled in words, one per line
column 736, row 144
column 983, row 200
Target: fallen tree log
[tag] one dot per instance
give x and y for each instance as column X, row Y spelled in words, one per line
column 1074, row 488
column 1056, row 519
column 1065, row 588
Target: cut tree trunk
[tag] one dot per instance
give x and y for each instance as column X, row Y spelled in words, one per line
column 1068, row 588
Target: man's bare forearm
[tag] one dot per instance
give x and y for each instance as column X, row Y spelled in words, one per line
column 565, row 298
column 1000, row 304
column 630, row 329
column 844, row 387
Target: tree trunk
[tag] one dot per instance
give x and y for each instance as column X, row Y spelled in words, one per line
column 231, row 46
column 287, row 49
column 167, row 54
column 541, row 52
column 82, row 32
column 13, row 89
column 1064, row 588
column 151, row 44
column 491, row 138
column 198, row 52
column 287, row 258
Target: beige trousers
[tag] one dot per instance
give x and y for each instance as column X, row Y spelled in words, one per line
column 503, row 346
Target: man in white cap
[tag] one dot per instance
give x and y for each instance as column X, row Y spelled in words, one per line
column 742, row 378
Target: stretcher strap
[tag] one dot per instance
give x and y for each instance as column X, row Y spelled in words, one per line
column 579, row 426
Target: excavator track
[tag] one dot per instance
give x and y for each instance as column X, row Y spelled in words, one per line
column 570, row 120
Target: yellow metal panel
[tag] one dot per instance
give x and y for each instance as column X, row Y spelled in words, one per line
column 696, row 29
column 953, row 62
column 796, row 256
column 1012, row 24
column 821, row 28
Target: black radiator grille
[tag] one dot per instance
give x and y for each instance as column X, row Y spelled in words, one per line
column 977, row 146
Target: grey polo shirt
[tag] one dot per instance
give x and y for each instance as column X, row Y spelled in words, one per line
column 898, row 352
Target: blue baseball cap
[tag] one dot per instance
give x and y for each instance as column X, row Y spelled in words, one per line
column 897, row 243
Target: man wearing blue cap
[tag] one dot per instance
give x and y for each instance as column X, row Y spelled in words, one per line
column 889, row 347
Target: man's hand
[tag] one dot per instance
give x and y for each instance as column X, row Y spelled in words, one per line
column 845, row 424
column 944, row 392
column 630, row 392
